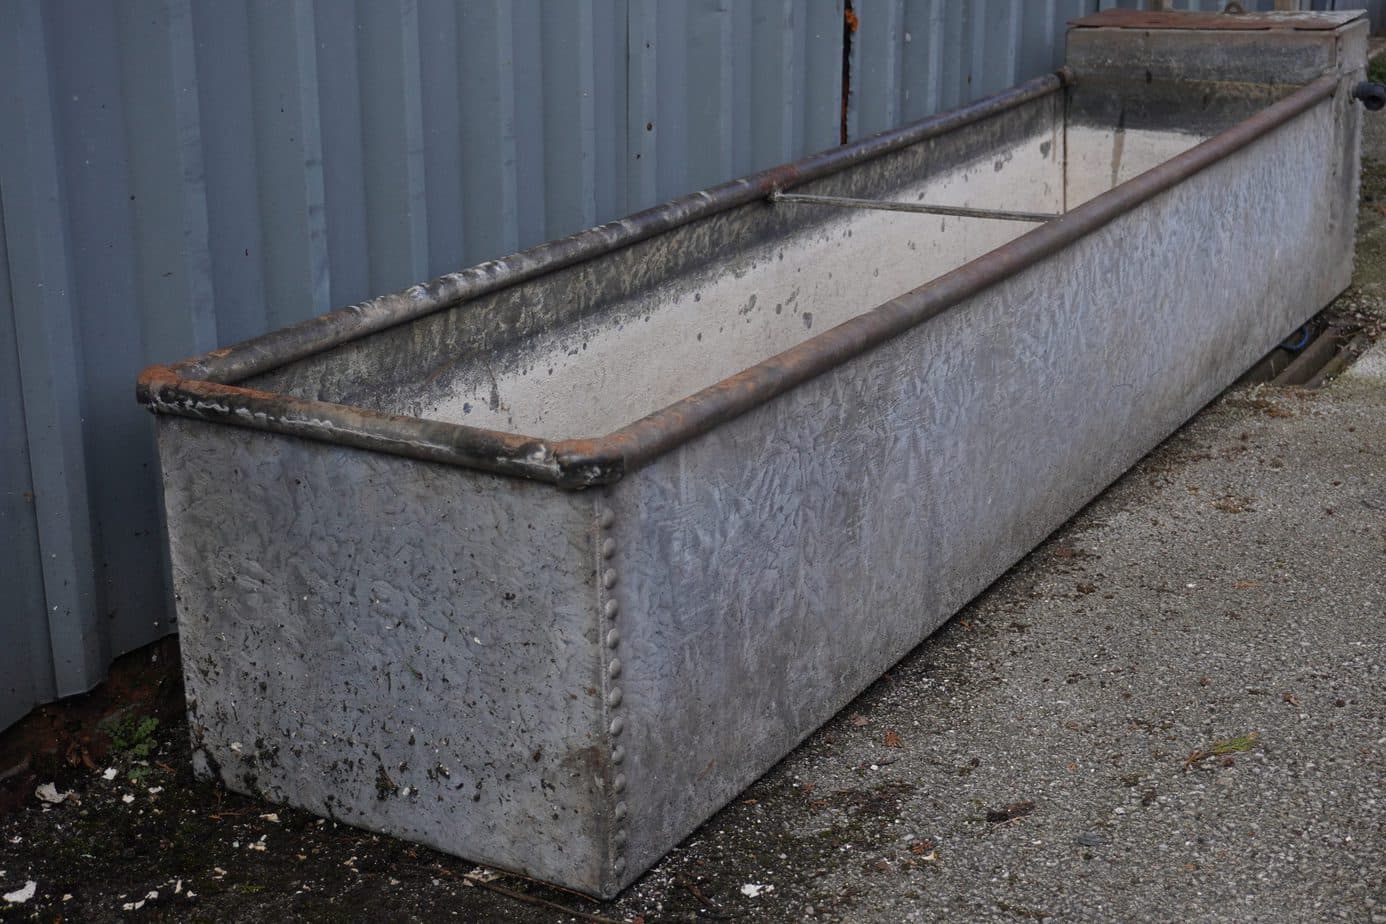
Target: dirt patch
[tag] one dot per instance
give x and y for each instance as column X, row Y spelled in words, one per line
column 67, row 738
column 154, row 843
column 139, row 837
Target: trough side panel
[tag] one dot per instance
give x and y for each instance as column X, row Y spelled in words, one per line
column 398, row 645
column 774, row 567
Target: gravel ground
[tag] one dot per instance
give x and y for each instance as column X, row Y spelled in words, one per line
column 1173, row 709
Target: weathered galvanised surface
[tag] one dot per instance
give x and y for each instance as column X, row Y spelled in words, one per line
column 415, row 594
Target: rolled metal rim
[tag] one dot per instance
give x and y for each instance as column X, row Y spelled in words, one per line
column 202, row 387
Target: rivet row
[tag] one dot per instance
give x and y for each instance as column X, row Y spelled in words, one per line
column 610, row 608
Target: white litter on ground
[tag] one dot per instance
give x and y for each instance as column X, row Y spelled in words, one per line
column 21, row 895
column 754, row 889
column 109, row 774
column 136, row 906
column 49, row 793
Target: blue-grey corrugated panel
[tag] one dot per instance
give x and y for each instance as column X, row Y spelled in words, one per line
column 181, row 174
column 1376, row 9
column 719, row 89
column 912, row 58
column 43, row 315
column 26, row 664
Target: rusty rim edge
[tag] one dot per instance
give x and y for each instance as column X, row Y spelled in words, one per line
column 638, row 443
column 163, row 390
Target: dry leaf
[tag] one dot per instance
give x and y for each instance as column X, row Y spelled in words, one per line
column 1010, row 812
column 892, row 738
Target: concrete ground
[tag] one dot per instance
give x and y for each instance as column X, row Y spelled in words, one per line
column 1174, row 709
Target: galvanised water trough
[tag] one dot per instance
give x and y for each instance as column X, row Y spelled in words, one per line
column 542, row 562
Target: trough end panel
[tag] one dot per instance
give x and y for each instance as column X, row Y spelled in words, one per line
column 404, row 646
column 773, row 567
column 1130, row 83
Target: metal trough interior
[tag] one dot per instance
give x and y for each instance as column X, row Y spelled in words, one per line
column 675, row 322
column 542, row 562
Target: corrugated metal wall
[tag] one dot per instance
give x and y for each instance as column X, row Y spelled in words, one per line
column 178, row 174
column 913, row 58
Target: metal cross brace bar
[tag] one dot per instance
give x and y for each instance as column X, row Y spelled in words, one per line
column 955, row 210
